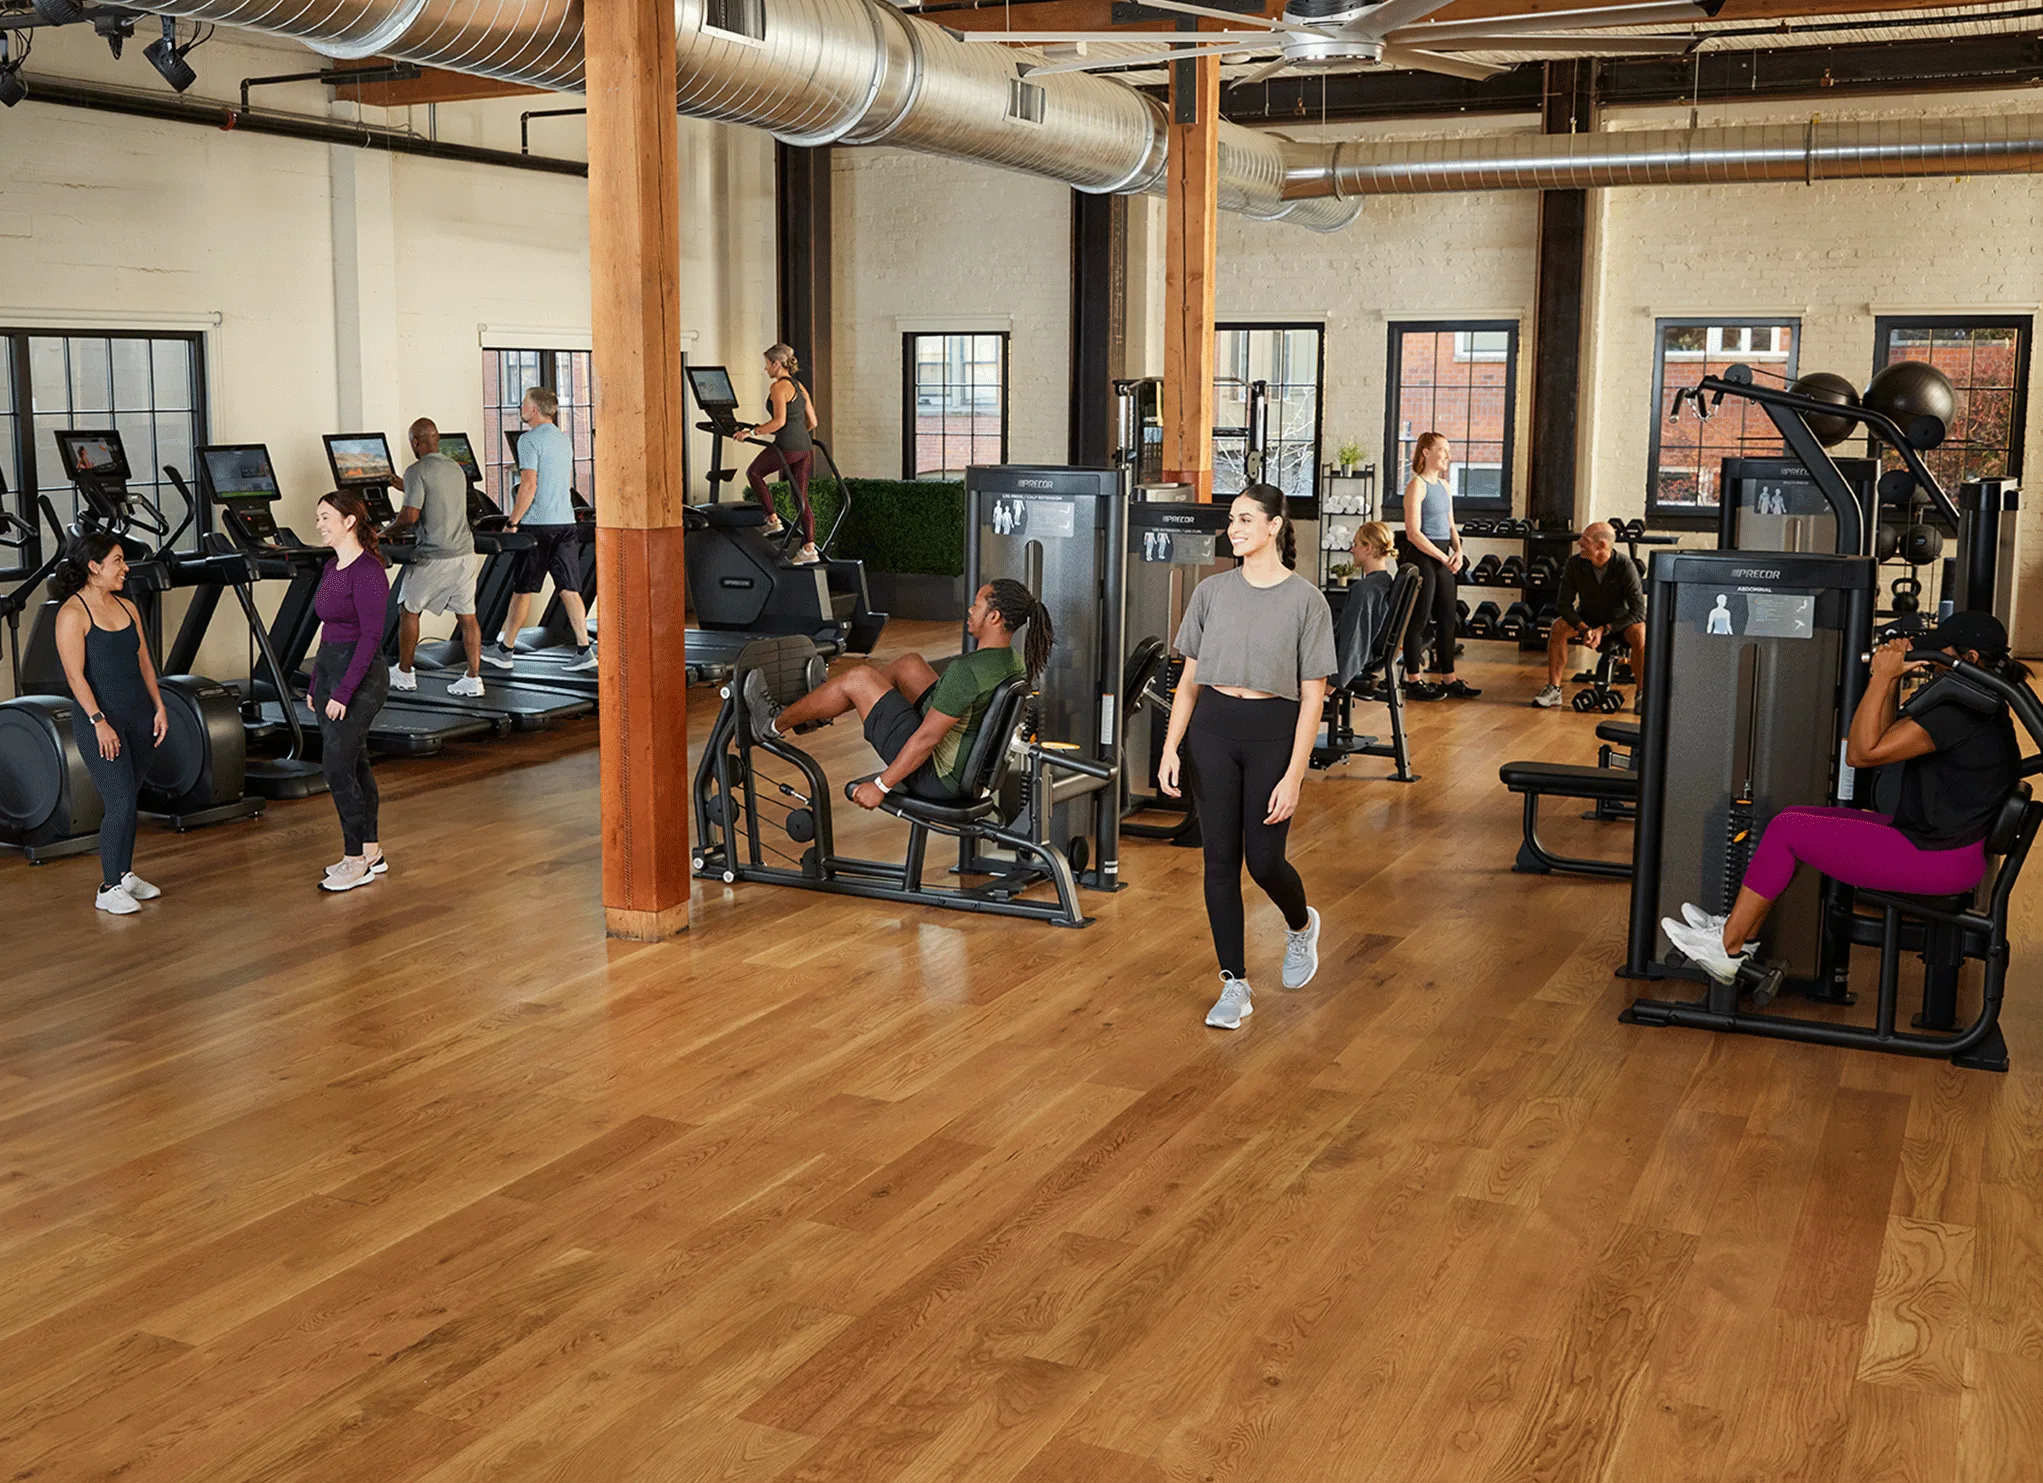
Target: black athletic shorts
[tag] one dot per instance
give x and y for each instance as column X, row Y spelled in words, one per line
column 888, row 725
column 557, row 553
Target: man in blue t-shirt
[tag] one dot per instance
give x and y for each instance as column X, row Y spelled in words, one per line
column 544, row 509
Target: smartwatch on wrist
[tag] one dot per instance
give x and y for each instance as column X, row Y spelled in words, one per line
column 97, row 717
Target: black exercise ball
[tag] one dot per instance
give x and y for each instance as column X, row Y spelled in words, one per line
column 1922, row 545
column 1917, row 397
column 1828, row 386
column 1887, row 543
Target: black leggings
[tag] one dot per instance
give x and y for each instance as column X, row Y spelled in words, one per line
column 1237, row 751
column 120, row 785
column 344, row 744
column 1436, row 599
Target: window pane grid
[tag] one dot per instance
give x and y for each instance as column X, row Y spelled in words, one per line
column 1987, row 361
column 956, row 393
column 506, row 376
column 1287, row 357
column 1687, row 454
column 1459, row 380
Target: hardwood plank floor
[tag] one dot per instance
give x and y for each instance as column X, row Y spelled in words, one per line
column 432, row 1182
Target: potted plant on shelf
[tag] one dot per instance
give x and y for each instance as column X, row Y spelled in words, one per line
column 1348, row 455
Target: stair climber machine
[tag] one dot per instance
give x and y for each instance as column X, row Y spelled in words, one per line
column 49, row 805
column 741, row 583
column 361, row 462
column 198, row 775
column 541, row 661
column 241, row 481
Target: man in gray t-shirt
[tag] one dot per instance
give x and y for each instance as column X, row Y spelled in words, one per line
column 440, row 578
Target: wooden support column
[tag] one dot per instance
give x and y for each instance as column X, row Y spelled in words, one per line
column 635, row 271
column 802, row 239
column 1557, row 363
column 1192, row 205
column 1099, row 295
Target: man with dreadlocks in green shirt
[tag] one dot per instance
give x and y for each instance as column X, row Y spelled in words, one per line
column 921, row 723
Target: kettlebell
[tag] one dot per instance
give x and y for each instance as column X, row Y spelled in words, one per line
column 1906, row 595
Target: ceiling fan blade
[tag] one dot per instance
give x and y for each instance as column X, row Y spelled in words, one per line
column 1179, row 7
column 1570, row 46
column 1262, row 74
column 1139, row 59
column 1379, row 21
column 1427, row 61
column 1144, row 38
column 1660, row 13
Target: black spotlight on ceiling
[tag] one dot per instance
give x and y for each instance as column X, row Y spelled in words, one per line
column 12, row 88
column 115, row 26
column 167, row 57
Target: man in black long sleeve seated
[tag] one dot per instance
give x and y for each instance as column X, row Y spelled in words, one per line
column 1601, row 595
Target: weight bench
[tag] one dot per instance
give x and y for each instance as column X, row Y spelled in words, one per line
column 1602, row 786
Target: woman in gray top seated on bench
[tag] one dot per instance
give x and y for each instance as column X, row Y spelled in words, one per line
column 1258, row 644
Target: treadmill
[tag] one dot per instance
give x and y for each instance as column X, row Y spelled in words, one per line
column 361, row 462
column 241, row 482
column 533, row 668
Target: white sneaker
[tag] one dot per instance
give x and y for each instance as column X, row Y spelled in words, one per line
column 116, row 900
column 1233, row 1006
column 138, row 888
column 583, row 662
column 350, row 875
column 1695, row 916
column 1703, row 948
column 1548, row 698
column 403, row 679
column 467, row 685
column 1301, row 952
column 379, row 866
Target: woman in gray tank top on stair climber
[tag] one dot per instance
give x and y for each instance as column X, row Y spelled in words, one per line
column 792, row 450
column 1258, row 643
column 1435, row 543
column 119, row 720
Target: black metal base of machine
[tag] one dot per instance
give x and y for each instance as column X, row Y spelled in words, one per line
column 219, row 813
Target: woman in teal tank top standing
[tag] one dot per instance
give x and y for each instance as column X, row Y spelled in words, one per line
column 1435, row 544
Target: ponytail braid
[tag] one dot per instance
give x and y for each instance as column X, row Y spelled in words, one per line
column 1018, row 608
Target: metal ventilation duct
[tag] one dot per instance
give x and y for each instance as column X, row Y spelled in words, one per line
column 822, row 72
column 1806, row 152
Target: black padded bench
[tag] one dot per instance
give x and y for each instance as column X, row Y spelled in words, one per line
column 1537, row 780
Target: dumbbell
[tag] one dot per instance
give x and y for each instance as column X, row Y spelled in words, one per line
column 1515, row 621
column 1482, row 623
column 1512, row 572
column 1484, row 572
column 1544, row 623
column 1542, row 571
column 1477, row 527
column 1460, row 619
column 1630, row 530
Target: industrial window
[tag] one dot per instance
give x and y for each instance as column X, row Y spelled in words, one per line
column 149, row 386
column 954, row 400
column 1459, row 378
column 1685, row 456
column 1287, row 359
column 506, row 376
column 1987, row 359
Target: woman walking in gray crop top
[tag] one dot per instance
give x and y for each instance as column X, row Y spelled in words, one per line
column 1435, row 544
column 1258, row 644
column 791, row 425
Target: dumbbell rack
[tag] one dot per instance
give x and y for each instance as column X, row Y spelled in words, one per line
column 1537, row 590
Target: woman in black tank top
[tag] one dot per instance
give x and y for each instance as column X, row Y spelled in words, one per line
column 791, row 452
column 119, row 720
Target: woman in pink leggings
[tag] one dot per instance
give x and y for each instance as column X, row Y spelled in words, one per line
column 1958, row 766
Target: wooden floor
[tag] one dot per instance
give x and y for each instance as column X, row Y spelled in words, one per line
column 431, row 1182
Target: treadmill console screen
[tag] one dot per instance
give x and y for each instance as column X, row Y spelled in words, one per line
column 712, row 388
column 239, row 470
column 457, row 447
column 93, row 455
column 360, row 460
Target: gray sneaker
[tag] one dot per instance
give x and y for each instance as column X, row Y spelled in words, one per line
column 1233, row 1006
column 759, row 706
column 1548, row 698
column 583, row 662
column 1301, row 952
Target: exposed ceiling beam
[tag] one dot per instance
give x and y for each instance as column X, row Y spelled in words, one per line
column 435, row 86
column 1100, row 15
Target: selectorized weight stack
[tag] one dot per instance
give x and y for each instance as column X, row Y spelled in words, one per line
column 1062, row 533
column 1173, row 545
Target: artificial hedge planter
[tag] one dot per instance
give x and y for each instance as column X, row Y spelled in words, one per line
column 909, row 533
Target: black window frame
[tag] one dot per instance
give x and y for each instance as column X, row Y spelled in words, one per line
column 1704, row 517
column 1319, row 387
column 27, row 481
column 498, row 469
column 1395, row 466
column 2018, row 416
column 908, row 390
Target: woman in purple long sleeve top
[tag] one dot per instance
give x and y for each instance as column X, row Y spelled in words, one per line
column 350, row 680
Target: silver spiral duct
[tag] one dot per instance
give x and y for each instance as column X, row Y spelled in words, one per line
column 824, row 72
column 1806, row 152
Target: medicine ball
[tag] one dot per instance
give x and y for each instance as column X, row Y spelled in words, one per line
column 1917, row 397
column 1828, row 386
column 1886, row 542
column 1922, row 544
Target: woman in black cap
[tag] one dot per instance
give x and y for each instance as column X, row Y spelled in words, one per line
column 1957, row 764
